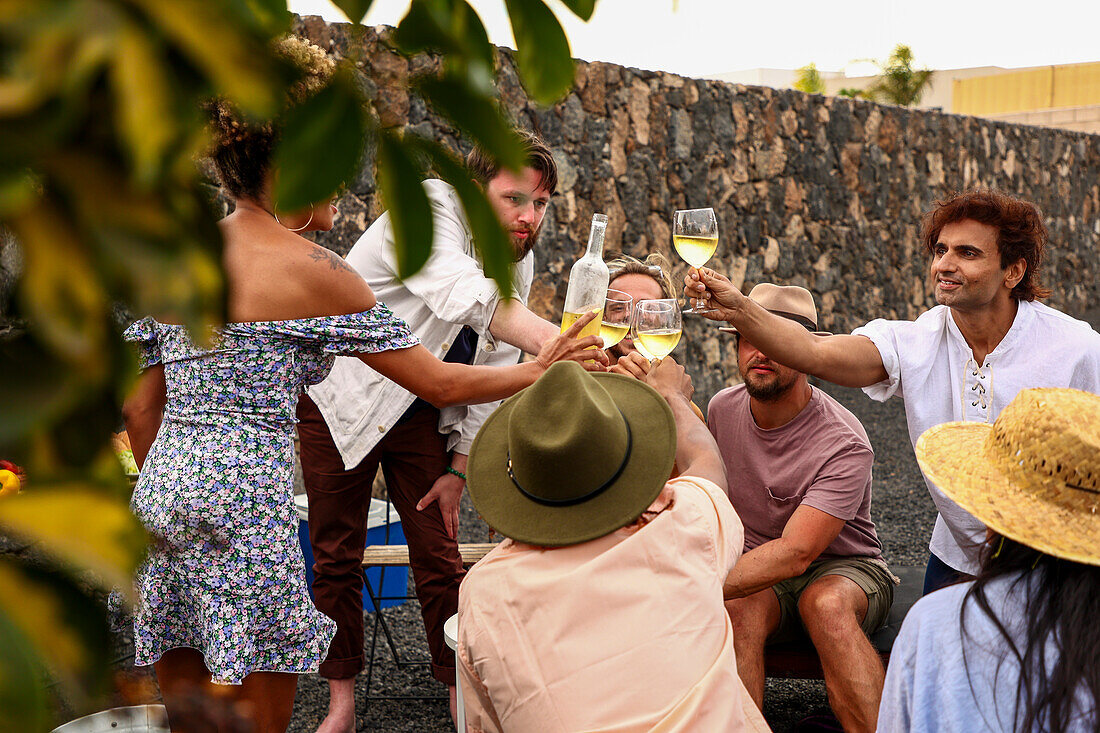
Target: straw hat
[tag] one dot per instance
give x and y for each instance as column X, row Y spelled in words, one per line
column 1032, row 476
column 573, row 457
column 790, row 301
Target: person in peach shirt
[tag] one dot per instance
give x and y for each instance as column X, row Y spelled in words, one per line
column 602, row 610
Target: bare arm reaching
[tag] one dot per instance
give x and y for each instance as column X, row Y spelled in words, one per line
column 515, row 324
column 696, row 452
column 850, row 361
column 442, row 384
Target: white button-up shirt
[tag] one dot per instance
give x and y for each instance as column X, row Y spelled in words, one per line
column 451, row 291
column 932, row 368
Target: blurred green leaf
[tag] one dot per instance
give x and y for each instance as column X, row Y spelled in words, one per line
column 542, row 50
column 447, row 27
column 35, row 386
column 356, row 10
column 240, row 64
column 59, row 290
column 48, row 613
column 271, row 16
column 583, row 9
column 322, row 144
column 493, row 243
column 477, row 115
column 18, row 188
column 80, row 526
column 143, row 101
column 399, row 180
column 22, row 679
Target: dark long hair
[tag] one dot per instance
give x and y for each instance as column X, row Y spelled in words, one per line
column 1060, row 611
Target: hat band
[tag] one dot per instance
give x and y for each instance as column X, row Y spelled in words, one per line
column 591, row 494
column 811, row 325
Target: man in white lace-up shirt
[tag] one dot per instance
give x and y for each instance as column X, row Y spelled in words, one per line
column 964, row 359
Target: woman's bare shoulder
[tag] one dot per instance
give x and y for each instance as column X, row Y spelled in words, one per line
column 284, row 276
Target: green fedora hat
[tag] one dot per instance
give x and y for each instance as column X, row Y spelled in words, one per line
column 573, row 457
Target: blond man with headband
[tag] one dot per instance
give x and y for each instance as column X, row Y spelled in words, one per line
column 1017, row 647
column 647, row 279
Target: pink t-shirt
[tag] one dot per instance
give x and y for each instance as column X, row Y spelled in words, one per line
column 623, row 633
column 822, row 458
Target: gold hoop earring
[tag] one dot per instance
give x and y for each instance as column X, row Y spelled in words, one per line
column 275, row 213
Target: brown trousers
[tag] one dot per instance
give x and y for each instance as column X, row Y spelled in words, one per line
column 412, row 455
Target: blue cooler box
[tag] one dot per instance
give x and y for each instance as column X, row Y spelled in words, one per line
column 394, row 581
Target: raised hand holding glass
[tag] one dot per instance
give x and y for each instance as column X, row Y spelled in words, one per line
column 695, row 236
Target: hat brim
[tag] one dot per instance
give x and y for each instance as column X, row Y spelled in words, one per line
column 653, row 453
column 1037, row 512
column 731, row 329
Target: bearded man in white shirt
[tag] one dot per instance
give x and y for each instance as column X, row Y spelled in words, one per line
column 358, row 420
column 964, row 359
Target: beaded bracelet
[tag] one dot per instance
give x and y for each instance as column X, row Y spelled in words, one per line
column 456, row 472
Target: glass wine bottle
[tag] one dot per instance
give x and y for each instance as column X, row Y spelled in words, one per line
column 588, row 280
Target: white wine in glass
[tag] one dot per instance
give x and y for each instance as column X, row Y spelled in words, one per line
column 656, row 327
column 618, row 309
column 695, row 236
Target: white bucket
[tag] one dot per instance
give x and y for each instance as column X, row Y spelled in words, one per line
column 135, row 719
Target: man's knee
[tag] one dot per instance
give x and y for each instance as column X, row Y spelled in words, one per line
column 749, row 618
column 832, row 605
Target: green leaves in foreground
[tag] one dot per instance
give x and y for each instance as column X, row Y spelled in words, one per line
column 322, row 144
column 542, row 50
column 409, row 210
column 493, row 242
column 48, row 625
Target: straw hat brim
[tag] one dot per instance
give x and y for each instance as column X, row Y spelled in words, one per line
column 1032, row 509
column 508, row 511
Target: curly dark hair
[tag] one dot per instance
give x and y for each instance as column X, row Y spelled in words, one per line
column 483, row 168
column 242, row 150
column 1021, row 233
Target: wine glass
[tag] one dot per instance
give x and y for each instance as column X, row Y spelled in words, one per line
column 656, row 327
column 618, row 310
column 695, row 236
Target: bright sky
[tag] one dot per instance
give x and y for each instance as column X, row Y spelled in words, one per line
column 700, row 37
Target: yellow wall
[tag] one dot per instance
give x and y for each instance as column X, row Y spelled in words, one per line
column 1042, row 87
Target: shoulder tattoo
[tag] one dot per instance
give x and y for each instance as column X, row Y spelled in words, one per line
column 320, row 254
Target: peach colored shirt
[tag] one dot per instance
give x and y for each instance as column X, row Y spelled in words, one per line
column 627, row 632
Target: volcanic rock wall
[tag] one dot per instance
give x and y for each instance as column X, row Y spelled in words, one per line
column 823, row 192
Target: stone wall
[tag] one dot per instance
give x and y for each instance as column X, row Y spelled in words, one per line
column 823, row 192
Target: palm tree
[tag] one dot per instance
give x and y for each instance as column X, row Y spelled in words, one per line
column 898, row 82
column 808, row 79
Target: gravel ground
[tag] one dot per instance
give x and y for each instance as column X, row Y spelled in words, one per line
column 901, row 510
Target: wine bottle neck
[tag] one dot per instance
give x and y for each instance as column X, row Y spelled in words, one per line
column 595, row 237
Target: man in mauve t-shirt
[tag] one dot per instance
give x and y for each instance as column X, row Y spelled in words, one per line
column 799, row 468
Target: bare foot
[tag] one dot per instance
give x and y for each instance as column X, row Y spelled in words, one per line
column 341, row 707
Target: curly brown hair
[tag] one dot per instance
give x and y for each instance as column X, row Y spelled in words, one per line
column 483, row 168
column 242, row 149
column 1021, row 233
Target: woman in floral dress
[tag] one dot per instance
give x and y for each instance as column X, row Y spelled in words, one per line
column 222, row 595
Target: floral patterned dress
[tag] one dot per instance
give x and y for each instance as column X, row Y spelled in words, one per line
column 225, row 573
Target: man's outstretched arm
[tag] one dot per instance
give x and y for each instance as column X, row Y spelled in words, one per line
column 850, row 361
column 696, row 452
column 515, row 324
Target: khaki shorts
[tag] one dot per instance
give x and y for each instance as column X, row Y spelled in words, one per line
column 869, row 574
